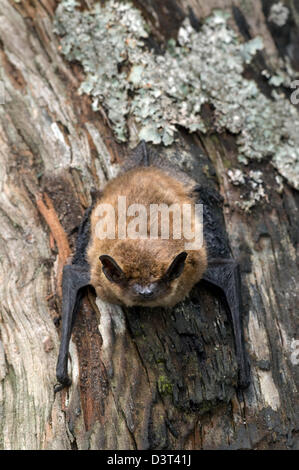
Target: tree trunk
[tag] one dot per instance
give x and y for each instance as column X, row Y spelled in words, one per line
column 141, row 379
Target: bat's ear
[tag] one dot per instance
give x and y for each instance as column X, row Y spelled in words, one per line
column 111, row 269
column 176, row 267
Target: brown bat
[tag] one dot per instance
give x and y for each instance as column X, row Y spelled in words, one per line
column 149, row 271
column 152, row 271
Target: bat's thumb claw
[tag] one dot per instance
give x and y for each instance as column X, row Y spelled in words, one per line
column 64, row 382
column 57, row 388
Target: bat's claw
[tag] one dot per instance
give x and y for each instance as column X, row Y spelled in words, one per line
column 64, row 381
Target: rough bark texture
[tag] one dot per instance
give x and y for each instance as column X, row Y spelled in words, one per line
column 141, row 379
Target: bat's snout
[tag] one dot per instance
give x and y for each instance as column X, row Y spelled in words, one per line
column 145, row 292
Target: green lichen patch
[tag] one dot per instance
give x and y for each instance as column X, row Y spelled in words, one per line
column 162, row 92
column 164, row 385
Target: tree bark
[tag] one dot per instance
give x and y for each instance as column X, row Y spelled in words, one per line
column 141, row 379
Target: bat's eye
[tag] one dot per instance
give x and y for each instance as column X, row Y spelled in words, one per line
column 176, row 268
column 111, row 269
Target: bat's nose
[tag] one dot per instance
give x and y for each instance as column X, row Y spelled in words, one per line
column 144, row 291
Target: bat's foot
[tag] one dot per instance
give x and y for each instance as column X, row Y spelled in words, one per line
column 64, row 381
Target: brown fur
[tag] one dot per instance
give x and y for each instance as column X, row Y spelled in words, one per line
column 144, row 261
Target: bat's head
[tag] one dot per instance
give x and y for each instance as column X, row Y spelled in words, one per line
column 142, row 290
column 136, row 276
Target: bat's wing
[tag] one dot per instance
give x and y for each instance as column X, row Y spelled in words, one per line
column 223, row 272
column 76, row 277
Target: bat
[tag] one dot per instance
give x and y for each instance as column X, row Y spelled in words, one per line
column 150, row 271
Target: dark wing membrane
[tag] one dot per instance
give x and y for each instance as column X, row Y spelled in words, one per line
column 76, row 277
column 223, row 271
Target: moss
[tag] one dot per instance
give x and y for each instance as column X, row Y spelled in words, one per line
column 161, row 92
column 164, row 385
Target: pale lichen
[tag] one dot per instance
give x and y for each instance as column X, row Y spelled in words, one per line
column 161, row 92
column 102, row 40
column 253, row 181
column 236, row 176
